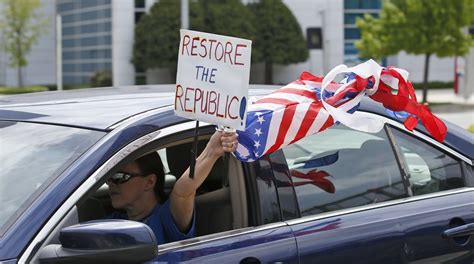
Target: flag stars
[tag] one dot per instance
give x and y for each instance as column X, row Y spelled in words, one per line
column 257, row 144
column 260, row 119
column 258, row 132
column 258, row 113
column 242, row 155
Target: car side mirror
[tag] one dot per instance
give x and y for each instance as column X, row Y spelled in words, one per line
column 102, row 241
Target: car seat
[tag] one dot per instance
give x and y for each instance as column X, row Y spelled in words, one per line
column 90, row 209
column 213, row 201
column 383, row 169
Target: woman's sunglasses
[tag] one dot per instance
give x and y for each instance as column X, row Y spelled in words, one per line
column 122, row 177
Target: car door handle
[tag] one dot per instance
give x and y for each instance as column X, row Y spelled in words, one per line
column 250, row 260
column 459, row 231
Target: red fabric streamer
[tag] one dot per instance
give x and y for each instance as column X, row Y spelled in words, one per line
column 317, row 178
column 405, row 100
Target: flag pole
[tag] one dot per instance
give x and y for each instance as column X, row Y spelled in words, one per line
column 185, row 25
column 194, row 152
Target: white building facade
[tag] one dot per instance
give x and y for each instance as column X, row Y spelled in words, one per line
column 98, row 35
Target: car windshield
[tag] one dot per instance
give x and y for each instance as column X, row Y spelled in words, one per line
column 31, row 156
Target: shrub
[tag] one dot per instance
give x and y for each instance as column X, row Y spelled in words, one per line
column 54, row 87
column 434, row 85
column 25, row 89
column 75, row 86
column 101, row 79
column 471, row 128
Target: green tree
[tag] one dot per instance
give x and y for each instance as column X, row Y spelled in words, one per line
column 279, row 39
column 102, row 78
column 157, row 35
column 421, row 27
column 21, row 25
column 230, row 18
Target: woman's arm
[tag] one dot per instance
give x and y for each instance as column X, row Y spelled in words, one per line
column 184, row 190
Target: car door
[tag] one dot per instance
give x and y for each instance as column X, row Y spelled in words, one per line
column 271, row 243
column 441, row 202
column 347, row 185
column 380, row 198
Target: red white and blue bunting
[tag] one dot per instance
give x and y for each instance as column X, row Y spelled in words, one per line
column 311, row 104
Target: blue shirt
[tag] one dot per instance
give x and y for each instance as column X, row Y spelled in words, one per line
column 162, row 223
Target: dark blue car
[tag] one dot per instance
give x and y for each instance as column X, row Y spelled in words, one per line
column 391, row 197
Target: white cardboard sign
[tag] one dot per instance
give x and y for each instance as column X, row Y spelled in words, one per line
column 213, row 78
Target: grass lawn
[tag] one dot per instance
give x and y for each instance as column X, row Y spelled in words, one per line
column 25, row 89
column 471, row 128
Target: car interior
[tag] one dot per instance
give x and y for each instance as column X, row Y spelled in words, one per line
column 219, row 203
column 375, row 183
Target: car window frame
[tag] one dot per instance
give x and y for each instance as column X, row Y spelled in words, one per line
column 96, row 179
column 177, row 245
column 399, row 163
column 423, row 137
column 465, row 172
column 287, row 198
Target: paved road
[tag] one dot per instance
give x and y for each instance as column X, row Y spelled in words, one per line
column 462, row 119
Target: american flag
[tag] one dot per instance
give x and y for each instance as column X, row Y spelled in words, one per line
column 289, row 114
column 311, row 104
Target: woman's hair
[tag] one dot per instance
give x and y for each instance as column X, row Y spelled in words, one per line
column 151, row 164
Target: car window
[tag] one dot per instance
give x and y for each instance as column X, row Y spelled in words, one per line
column 32, row 155
column 342, row 168
column 214, row 210
column 430, row 170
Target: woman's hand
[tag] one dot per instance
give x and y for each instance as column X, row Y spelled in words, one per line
column 222, row 141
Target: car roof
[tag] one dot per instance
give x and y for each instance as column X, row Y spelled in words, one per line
column 101, row 108
column 95, row 108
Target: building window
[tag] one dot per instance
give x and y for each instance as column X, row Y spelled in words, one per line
column 68, row 67
column 92, row 3
column 66, row 6
column 68, row 18
column 362, row 4
column 349, row 48
column 69, row 31
column 69, row 43
column 139, row 3
column 351, row 33
column 352, row 10
column 350, row 18
column 138, row 15
column 95, row 54
column 86, row 38
column 96, row 41
column 69, row 55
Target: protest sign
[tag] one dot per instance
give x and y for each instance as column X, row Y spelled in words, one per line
column 212, row 78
